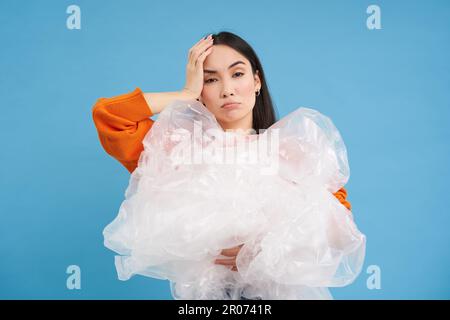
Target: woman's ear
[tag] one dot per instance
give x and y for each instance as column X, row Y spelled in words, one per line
column 257, row 80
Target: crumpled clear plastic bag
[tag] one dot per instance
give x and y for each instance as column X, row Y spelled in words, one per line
column 186, row 201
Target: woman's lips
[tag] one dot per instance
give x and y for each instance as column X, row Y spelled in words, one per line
column 231, row 106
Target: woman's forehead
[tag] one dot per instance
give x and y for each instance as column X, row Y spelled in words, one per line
column 222, row 57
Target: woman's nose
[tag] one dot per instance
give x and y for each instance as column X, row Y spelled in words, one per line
column 227, row 89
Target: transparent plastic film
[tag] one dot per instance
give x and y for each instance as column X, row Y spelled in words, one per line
column 199, row 189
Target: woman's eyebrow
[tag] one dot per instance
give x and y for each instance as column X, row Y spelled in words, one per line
column 231, row 66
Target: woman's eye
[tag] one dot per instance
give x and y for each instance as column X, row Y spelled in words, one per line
column 210, row 80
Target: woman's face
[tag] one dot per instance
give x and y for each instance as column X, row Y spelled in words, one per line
column 228, row 77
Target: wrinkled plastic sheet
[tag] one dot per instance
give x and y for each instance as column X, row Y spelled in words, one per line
column 179, row 212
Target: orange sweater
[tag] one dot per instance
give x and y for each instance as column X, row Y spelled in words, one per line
column 122, row 122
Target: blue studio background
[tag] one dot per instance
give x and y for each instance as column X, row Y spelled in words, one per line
column 386, row 90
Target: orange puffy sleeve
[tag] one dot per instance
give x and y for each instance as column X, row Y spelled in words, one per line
column 341, row 195
column 122, row 122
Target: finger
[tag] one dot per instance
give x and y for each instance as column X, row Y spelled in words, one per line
column 226, row 262
column 231, row 251
column 203, row 56
column 239, row 246
column 198, row 45
column 203, row 39
column 196, row 52
column 200, row 55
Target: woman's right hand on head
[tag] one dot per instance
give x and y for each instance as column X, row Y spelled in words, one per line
column 194, row 68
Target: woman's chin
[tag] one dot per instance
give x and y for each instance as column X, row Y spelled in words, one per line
column 230, row 116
